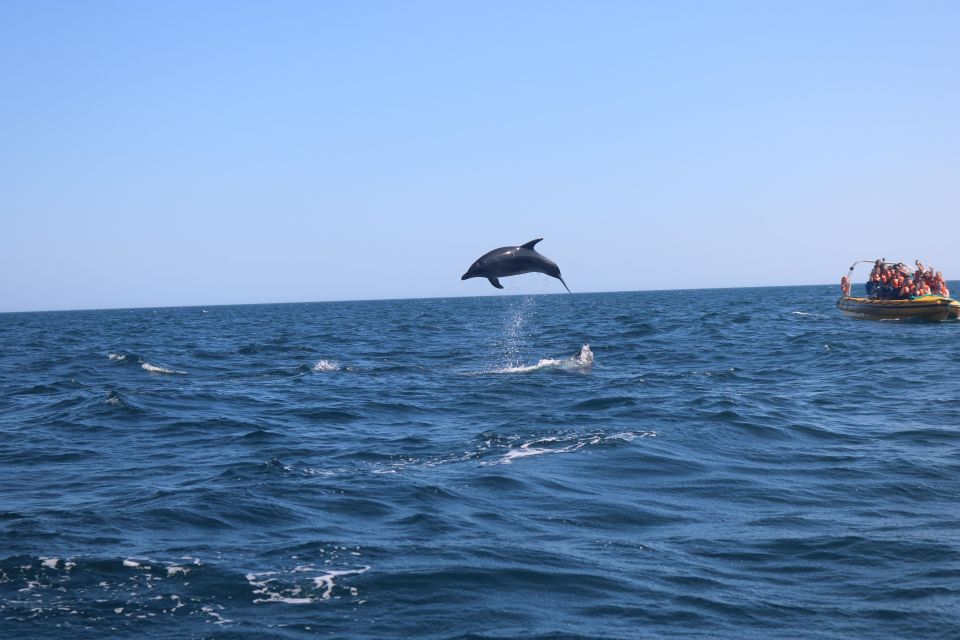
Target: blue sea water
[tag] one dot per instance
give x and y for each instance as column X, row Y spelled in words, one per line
column 716, row 464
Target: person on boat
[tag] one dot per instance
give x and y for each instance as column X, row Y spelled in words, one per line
column 888, row 278
column 845, row 286
column 918, row 276
column 876, row 285
column 940, row 285
column 871, row 285
column 907, row 290
column 896, row 281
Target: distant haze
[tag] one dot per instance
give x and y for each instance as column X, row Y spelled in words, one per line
column 179, row 153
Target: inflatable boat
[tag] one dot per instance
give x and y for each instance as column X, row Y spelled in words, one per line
column 930, row 308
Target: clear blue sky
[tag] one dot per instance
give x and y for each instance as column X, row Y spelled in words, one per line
column 177, row 153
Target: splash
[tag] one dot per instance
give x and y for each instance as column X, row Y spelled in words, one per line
column 325, row 365
column 514, row 333
column 585, row 357
column 582, row 361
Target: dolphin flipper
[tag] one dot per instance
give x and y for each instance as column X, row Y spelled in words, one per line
column 495, row 283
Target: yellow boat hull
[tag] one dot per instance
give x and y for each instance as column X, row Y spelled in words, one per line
column 930, row 308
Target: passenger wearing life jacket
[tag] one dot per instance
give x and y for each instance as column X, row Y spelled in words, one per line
column 907, row 290
column 940, row 285
column 874, row 283
column 845, row 286
column 890, row 279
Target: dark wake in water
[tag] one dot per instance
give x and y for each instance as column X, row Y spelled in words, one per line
column 706, row 467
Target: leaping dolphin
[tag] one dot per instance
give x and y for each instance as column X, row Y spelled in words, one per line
column 513, row 261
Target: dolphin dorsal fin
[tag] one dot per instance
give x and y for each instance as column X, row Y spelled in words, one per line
column 530, row 245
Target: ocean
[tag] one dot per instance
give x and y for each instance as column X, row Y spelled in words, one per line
column 739, row 463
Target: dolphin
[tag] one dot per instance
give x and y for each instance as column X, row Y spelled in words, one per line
column 512, row 261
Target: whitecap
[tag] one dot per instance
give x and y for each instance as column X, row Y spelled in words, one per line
column 119, row 357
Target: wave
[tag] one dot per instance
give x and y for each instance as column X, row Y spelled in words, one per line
column 582, row 361
column 566, row 444
column 133, row 359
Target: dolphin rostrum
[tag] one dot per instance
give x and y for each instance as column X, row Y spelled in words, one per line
column 512, row 261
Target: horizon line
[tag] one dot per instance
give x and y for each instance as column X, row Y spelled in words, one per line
column 492, row 295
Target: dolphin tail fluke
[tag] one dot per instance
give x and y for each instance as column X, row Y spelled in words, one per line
column 564, row 285
column 495, row 283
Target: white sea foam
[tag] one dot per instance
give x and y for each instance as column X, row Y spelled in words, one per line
column 131, row 563
column 326, row 365
column 217, row 618
column 152, row 368
column 270, row 586
column 325, row 581
column 117, row 356
column 50, row 563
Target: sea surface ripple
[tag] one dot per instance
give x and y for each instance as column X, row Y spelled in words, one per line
column 742, row 463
